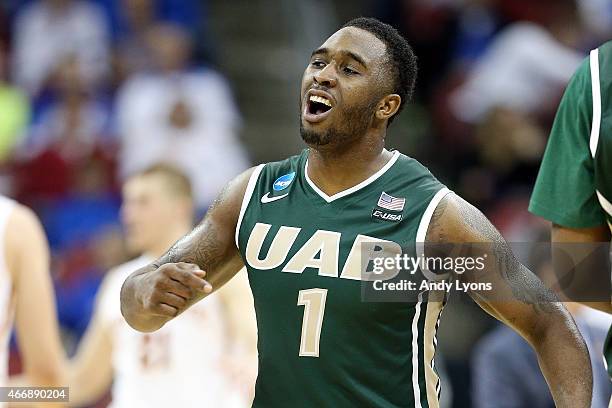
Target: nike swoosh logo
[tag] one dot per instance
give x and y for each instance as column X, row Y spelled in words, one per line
column 266, row 199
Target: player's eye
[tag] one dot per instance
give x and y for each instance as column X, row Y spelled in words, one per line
column 349, row 71
column 317, row 64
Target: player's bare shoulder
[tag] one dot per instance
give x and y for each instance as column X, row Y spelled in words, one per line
column 455, row 220
column 23, row 235
column 228, row 204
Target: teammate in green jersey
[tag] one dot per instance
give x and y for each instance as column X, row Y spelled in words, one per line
column 574, row 186
column 299, row 226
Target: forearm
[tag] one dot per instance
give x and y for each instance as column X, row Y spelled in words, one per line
column 132, row 308
column 82, row 394
column 90, row 371
column 86, row 388
column 564, row 361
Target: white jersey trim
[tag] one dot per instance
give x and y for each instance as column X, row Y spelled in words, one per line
column 420, row 252
column 605, row 204
column 425, row 220
column 351, row 190
column 594, row 62
column 432, row 381
column 415, row 354
column 247, row 197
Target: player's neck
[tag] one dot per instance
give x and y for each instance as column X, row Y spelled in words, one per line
column 338, row 170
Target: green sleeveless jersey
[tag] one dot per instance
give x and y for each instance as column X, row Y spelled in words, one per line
column 319, row 343
column 574, row 185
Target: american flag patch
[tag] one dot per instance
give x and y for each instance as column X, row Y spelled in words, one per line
column 391, row 203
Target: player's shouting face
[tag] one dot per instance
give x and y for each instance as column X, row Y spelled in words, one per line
column 345, row 84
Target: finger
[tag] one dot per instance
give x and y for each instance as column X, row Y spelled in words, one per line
column 207, row 287
column 176, row 287
column 191, row 268
column 188, row 279
column 162, row 309
column 171, row 299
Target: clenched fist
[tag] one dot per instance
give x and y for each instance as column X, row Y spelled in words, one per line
column 170, row 289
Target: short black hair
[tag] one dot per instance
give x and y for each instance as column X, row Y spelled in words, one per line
column 401, row 56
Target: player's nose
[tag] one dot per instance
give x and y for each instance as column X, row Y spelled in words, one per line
column 326, row 76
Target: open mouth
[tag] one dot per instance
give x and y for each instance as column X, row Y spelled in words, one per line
column 318, row 105
column 317, row 108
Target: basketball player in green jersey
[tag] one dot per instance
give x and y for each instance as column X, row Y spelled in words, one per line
column 574, row 186
column 299, row 225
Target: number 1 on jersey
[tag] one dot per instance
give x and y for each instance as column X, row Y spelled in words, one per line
column 313, row 301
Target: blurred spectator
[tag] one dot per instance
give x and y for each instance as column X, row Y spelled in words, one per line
column 597, row 15
column 15, row 109
column 68, row 133
column 88, row 206
column 4, row 27
column 522, row 71
column 508, row 99
column 83, row 230
column 131, row 21
column 46, row 31
column 507, row 375
column 429, row 26
column 132, row 53
column 180, row 116
column 75, row 123
column 189, row 14
column 477, row 23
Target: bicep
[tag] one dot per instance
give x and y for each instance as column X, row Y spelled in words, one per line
column 503, row 287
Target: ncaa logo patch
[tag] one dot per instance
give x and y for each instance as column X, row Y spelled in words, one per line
column 283, row 182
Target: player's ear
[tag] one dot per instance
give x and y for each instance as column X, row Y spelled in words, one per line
column 388, row 106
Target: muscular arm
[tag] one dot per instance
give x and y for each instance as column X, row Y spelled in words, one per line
column 35, row 318
column 155, row 294
column 520, row 300
column 585, row 263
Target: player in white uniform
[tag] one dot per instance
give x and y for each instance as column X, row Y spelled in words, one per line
column 185, row 364
column 27, row 299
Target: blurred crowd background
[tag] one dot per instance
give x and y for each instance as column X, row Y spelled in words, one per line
column 91, row 91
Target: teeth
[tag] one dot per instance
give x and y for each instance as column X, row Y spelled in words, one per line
column 320, row 99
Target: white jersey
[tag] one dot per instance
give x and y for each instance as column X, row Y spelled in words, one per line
column 7, row 298
column 179, row 365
